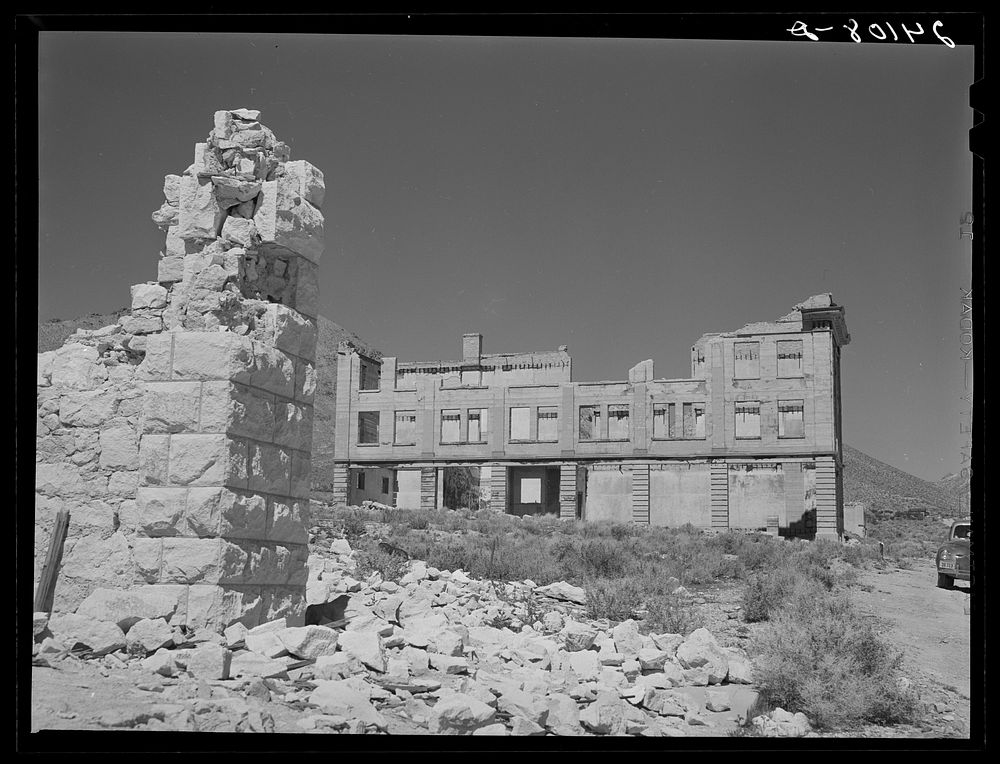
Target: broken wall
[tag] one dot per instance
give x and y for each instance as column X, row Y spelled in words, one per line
column 180, row 438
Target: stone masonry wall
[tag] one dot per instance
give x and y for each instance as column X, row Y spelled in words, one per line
column 180, row 438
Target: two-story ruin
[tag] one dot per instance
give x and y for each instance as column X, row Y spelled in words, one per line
column 752, row 440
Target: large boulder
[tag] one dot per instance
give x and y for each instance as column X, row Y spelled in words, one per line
column 341, row 698
column 781, row 723
column 308, row 642
column 149, row 635
column 740, row 668
column 578, row 636
column 606, row 715
column 100, row 637
column 701, row 651
column 628, row 641
column 564, row 591
column 459, row 714
column 366, row 646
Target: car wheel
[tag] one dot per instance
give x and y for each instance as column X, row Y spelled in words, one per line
column 945, row 582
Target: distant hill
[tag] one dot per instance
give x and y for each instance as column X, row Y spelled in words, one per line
column 53, row 333
column 954, row 485
column 888, row 491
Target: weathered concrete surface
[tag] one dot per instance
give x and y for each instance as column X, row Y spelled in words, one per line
column 609, row 495
column 680, row 494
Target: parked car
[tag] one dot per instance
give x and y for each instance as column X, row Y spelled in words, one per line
column 953, row 556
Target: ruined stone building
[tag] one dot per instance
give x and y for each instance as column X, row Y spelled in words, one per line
column 179, row 439
column 752, row 440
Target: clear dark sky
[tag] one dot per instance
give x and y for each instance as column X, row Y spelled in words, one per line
column 619, row 196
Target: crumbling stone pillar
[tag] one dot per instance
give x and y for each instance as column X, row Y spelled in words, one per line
column 219, row 355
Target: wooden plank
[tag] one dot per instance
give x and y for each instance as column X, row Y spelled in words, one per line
column 47, row 582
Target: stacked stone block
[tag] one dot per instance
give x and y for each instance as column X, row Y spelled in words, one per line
column 214, row 449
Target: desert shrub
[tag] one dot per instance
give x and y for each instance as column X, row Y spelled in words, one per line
column 761, row 552
column 604, row 558
column 418, row 519
column 821, row 657
column 669, row 613
column 766, row 592
column 758, row 599
column 622, row 531
column 353, row 524
column 615, row 599
column 373, row 559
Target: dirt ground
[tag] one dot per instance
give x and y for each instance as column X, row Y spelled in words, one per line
column 932, row 627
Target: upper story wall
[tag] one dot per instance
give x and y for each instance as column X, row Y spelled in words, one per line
column 766, row 389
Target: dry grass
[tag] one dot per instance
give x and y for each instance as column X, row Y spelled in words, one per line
column 627, row 570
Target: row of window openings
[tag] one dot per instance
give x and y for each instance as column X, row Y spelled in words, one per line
column 747, row 359
column 671, row 421
column 666, row 424
column 405, row 430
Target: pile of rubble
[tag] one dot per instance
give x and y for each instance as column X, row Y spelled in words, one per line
column 436, row 652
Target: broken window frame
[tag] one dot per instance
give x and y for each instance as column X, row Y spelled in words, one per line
column 789, row 358
column 451, row 415
column 787, row 407
column 744, row 353
column 698, row 412
column 368, row 423
column 385, row 486
column 480, row 415
column 594, row 420
column 690, row 425
column 746, row 409
column 360, row 482
column 369, row 373
column 406, row 415
column 547, row 413
column 526, row 430
column 617, row 412
column 661, row 413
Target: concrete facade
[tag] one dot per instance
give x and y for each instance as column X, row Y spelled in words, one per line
column 751, row 440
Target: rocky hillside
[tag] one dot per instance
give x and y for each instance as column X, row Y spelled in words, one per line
column 53, row 333
column 888, row 491
column 954, row 485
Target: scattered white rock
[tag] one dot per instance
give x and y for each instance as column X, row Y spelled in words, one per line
column 564, row 591
column 149, row 635
column 459, row 714
column 308, row 641
column 701, row 651
column 100, row 636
